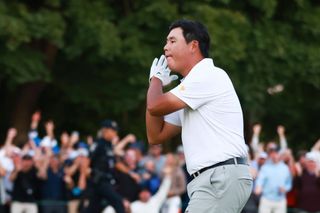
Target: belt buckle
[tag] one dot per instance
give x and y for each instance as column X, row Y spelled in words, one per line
column 196, row 174
column 235, row 161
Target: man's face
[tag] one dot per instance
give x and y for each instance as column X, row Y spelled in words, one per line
column 108, row 134
column 26, row 164
column 144, row 196
column 274, row 156
column 54, row 162
column 156, row 150
column 311, row 165
column 130, row 157
column 177, row 50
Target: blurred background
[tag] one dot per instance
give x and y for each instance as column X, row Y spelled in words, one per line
column 81, row 61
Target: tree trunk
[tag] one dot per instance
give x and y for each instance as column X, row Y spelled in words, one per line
column 24, row 106
column 27, row 95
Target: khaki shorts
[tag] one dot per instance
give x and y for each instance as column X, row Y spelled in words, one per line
column 223, row 189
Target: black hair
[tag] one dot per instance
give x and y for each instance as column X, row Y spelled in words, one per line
column 194, row 30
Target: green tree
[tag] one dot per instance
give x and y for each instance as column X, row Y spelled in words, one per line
column 81, row 61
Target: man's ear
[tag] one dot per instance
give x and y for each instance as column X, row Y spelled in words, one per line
column 194, row 46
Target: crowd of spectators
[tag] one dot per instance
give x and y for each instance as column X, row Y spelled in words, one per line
column 52, row 174
column 283, row 182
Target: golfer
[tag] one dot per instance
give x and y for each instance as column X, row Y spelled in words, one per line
column 205, row 109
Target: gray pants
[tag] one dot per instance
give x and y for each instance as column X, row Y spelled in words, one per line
column 224, row 189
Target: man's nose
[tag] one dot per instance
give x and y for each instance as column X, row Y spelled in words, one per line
column 165, row 48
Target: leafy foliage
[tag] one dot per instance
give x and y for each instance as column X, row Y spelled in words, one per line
column 94, row 57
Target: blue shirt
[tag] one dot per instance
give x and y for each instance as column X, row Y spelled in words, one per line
column 53, row 188
column 271, row 177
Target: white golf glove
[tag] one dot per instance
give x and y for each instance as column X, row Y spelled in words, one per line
column 159, row 69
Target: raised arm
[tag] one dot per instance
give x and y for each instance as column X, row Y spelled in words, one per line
column 316, row 146
column 255, row 140
column 160, row 104
column 164, row 188
column 119, row 147
column 282, row 137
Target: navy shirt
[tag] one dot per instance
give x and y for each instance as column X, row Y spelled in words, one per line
column 54, row 187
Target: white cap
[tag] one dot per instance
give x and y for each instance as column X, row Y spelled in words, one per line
column 314, row 156
column 263, row 155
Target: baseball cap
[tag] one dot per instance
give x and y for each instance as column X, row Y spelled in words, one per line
column 110, row 124
column 28, row 156
column 263, row 155
column 313, row 156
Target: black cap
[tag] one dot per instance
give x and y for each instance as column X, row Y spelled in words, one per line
column 110, row 124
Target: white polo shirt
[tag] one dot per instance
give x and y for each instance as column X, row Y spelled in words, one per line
column 212, row 124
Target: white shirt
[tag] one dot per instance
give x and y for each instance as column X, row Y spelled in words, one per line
column 212, row 124
column 47, row 141
column 6, row 184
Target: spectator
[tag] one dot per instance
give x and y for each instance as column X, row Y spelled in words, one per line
column 3, row 171
column 128, row 182
column 308, row 185
column 65, row 147
column 152, row 204
column 178, row 185
column 273, row 188
column 149, row 179
column 52, row 188
column 155, row 154
column 8, row 152
column 76, row 173
column 288, row 159
column 49, row 140
column 33, row 132
column 25, row 185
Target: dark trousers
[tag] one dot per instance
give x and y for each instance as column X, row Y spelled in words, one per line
column 4, row 209
column 104, row 191
column 53, row 207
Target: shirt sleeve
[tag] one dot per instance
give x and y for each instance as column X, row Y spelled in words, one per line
column 202, row 86
column 194, row 94
column 173, row 118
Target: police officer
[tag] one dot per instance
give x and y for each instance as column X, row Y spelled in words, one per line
column 103, row 164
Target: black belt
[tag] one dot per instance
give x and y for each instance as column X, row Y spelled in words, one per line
column 230, row 161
